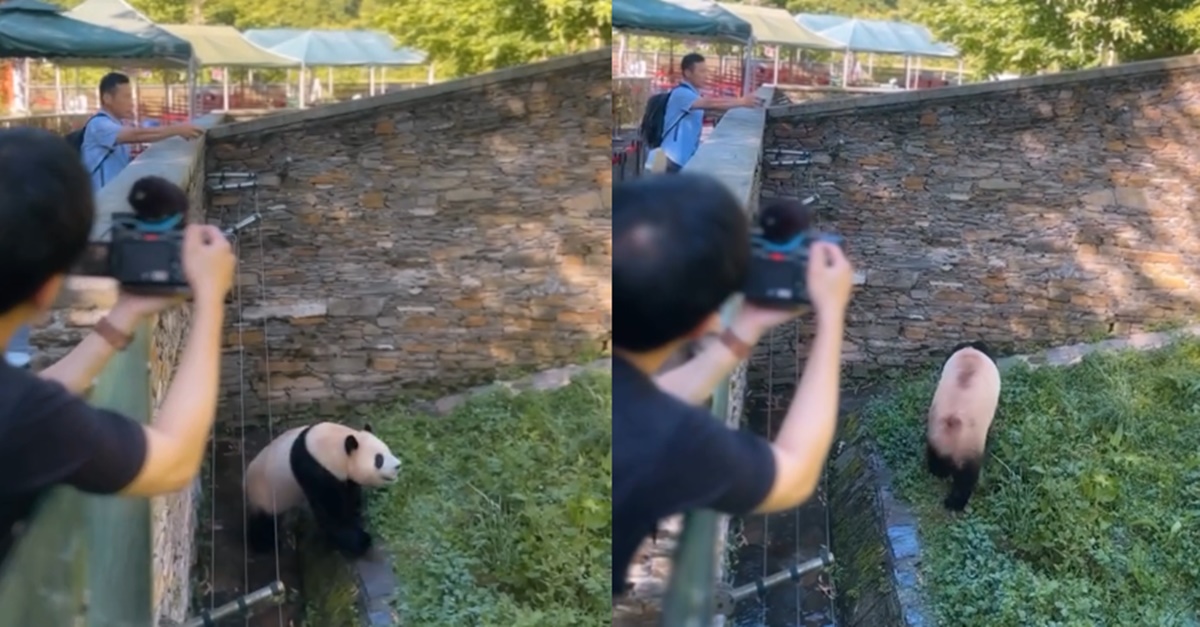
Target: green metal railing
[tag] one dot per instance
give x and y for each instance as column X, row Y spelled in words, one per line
column 85, row 561
column 689, row 599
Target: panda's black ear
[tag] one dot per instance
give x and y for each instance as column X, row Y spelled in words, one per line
column 367, row 428
column 351, row 444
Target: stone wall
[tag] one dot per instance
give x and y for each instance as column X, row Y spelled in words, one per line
column 732, row 155
column 84, row 301
column 425, row 238
column 1030, row 212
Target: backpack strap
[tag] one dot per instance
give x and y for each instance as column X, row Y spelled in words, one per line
column 685, row 113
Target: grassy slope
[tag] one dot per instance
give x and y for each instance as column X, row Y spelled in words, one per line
column 1088, row 511
column 502, row 512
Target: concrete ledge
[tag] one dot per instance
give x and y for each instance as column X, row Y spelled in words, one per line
column 732, row 152
column 176, row 159
column 437, row 91
column 875, row 536
column 908, row 98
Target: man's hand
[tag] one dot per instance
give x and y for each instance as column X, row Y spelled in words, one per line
column 830, row 280
column 208, row 262
column 187, row 131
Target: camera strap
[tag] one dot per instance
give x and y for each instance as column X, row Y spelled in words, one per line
column 162, row 226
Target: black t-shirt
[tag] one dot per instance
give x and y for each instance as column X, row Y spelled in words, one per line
column 50, row 437
column 670, row 457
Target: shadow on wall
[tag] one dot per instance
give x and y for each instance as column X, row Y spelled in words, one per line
column 427, row 238
column 1025, row 217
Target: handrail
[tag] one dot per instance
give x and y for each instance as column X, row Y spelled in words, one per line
column 689, row 600
column 85, row 560
column 731, row 154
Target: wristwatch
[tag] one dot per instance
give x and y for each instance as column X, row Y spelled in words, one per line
column 735, row 344
column 112, row 335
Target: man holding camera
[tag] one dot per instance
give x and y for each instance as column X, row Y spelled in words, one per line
column 681, row 249
column 48, row 434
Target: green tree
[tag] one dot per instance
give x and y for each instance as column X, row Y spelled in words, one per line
column 472, row 36
column 1031, row 35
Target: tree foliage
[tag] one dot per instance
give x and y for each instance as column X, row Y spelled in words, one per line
column 1031, row 35
column 461, row 36
column 471, row 36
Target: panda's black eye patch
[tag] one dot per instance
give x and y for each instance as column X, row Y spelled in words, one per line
column 379, row 460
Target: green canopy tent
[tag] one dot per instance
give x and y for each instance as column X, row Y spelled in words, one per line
column 693, row 19
column 174, row 52
column 37, row 30
column 681, row 19
column 225, row 47
column 775, row 27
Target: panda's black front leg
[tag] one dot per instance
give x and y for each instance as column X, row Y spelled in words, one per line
column 344, row 523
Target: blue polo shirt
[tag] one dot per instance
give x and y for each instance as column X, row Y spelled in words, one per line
column 682, row 141
column 103, row 157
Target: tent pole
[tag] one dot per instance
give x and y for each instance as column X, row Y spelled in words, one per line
column 747, row 74
column 846, row 69
column 383, row 80
column 58, row 90
column 777, row 51
column 960, row 71
column 27, row 103
column 371, row 80
column 430, row 79
column 303, row 90
column 917, row 73
column 191, row 88
column 137, row 100
column 329, row 80
column 225, row 88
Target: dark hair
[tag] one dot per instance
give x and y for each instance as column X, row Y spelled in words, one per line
column 46, row 211
column 681, row 246
column 690, row 59
column 111, row 81
column 155, row 198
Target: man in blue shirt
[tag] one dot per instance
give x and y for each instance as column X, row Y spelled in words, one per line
column 684, row 119
column 106, row 141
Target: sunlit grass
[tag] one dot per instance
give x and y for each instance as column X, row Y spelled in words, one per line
column 1088, row 509
column 502, row 513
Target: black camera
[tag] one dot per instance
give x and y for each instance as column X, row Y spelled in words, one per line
column 144, row 252
column 779, row 254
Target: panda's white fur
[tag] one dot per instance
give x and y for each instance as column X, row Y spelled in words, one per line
column 326, row 465
column 960, row 417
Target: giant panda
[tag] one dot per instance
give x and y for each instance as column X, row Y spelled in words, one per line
column 961, row 414
column 327, row 465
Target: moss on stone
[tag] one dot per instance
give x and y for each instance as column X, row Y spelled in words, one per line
column 866, row 594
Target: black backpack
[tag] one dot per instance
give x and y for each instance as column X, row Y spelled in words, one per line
column 652, row 130
column 75, row 139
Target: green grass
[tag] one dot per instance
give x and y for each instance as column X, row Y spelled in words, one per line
column 502, row 513
column 1088, row 509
